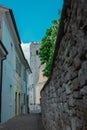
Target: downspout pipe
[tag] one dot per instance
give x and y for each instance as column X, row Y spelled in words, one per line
column 1, row 83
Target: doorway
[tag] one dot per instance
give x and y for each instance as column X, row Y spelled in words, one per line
column 16, row 103
column 19, row 111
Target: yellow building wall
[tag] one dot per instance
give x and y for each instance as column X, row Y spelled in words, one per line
column 42, row 80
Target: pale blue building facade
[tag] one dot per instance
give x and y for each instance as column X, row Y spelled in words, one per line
column 7, row 109
column 13, row 94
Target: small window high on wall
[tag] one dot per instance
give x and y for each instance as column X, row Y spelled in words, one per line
column 36, row 52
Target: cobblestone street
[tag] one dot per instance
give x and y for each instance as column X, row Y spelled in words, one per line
column 23, row 122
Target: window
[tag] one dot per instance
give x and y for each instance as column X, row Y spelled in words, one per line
column 36, row 52
column 18, row 67
column 11, row 54
column 24, row 99
column 11, row 45
column 10, row 98
column 24, row 75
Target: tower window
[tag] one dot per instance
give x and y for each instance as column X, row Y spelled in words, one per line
column 36, row 52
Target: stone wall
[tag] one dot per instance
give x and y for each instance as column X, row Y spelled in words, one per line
column 64, row 96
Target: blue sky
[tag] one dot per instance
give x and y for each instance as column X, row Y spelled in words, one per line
column 33, row 17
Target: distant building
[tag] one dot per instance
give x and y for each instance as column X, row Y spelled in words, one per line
column 26, row 50
column 36, row 79
column 31, row 54
column 15, row 69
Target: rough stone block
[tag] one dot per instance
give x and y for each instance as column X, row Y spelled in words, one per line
column 64, row 97
column 83, row 90
column 75, row 84
column 63, row 87
column 77, row 62
column 82, row 74
column 68, row 90
column 74, row 75
column 73, row 123
column 71, row 101
column 68, row 127
column 77, row 95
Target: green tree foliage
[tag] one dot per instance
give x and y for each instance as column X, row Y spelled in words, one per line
column 47, row 47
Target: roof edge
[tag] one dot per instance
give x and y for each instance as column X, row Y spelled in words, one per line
column 14, row 23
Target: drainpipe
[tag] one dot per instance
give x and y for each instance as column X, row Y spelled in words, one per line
column 1, row 74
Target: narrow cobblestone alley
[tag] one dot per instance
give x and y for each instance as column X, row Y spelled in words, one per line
column 23, row 122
